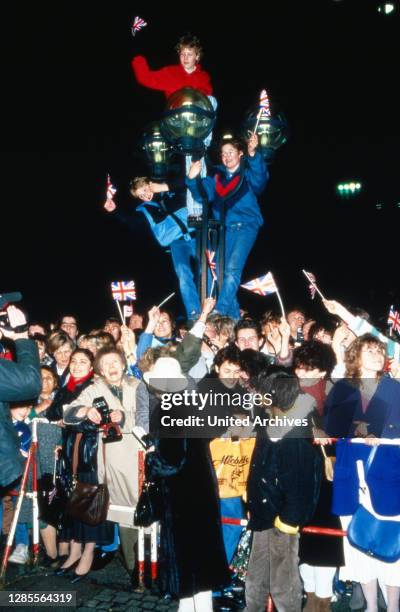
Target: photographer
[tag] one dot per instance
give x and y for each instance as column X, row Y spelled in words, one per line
column 18, row 381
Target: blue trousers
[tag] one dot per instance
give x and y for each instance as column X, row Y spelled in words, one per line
column 183, row 253
column 239, row 240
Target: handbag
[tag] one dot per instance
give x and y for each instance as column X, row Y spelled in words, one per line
column 372, row 533
column 87, row 503
column 150, row 507
column 51, row 499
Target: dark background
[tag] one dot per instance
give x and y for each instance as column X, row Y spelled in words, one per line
column 72, row 112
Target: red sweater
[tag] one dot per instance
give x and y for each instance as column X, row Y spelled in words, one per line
column 171, row 78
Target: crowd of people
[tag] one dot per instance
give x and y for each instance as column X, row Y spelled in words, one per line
column 324, row 381
column 99, row 400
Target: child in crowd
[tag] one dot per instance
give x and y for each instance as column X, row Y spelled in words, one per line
column 283, row 489
column 164, row 208
column 19, row 413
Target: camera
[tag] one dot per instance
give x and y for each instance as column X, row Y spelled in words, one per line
column 5, row 300
column 111, row 431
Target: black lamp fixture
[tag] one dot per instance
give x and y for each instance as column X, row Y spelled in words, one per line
column 157, row 150
column 188, row 119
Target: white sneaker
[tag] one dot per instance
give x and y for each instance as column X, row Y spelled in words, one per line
column 20, row 554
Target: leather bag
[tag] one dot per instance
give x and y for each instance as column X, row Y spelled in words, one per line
column 88, row 503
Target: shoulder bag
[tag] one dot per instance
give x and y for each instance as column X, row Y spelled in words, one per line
column 88, row 503
column 374, row 534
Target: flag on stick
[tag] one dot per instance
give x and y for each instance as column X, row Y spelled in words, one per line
column 394, row 320
column 264, row 104
column 312, row 288
column 211, row 263
column 110, row 189
column 213, row 268
column 138, row 24
column 313, row 284
column 123, row 290
column 265, row 110
column 265, row 285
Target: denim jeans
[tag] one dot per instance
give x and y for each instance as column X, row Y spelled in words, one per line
column 239, row 240
column 183, row 253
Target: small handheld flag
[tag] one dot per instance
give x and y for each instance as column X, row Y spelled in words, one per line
column 265, row 285
column 313, row 284
column 264, row 104
column 265, row 110
column 138, row 24
column 312, row 288
column 110, row 189
column 213, row 267
column 211, row 263
column 123, row 290
column 394, row 320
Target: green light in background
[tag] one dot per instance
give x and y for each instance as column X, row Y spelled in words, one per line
column 349, row 189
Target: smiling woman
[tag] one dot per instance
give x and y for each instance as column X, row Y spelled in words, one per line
column 118, row 393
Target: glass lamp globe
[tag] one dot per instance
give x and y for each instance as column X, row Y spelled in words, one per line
column 272, row 132
column 157, row 150
column 188, row 120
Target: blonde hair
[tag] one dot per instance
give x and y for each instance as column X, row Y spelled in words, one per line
column 137, row 183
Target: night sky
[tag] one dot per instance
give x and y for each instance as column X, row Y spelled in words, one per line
column 72, row 112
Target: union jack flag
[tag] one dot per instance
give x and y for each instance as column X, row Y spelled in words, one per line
column 311, row 287
column 123, row 290
column 211, row 263
column 264, row 104
column 110, row 189
column 263, row 285
column 394, row 320
column 138, row 24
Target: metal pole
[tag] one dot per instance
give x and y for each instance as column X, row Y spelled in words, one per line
column 35, row 506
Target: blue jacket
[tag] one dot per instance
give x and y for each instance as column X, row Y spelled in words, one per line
column 383, row 478
column 160, row 213
column 239, row 191
column 343, row 407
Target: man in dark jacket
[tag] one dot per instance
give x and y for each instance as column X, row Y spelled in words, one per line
column 18, row 381
column 283, row 490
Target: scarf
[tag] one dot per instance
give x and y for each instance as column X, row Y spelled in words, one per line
column 318, row 392
column 73, row 383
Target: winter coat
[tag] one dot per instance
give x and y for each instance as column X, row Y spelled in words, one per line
column 343, row 407
column 18, row 381
column 193, row 557
column 121, row 456
column 284, row 480
column 238, row 191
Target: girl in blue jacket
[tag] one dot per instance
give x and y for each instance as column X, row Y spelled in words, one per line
column 238, row 182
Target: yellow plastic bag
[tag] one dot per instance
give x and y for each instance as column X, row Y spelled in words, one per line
column 231, row 459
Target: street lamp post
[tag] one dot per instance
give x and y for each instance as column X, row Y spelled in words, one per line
column 187, row 121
